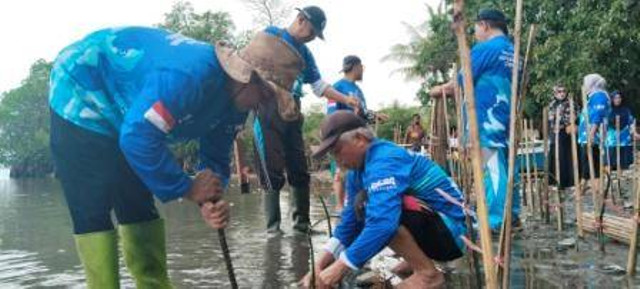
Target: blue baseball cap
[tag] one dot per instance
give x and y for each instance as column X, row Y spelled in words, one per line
column 316, row 17
column 492, row 14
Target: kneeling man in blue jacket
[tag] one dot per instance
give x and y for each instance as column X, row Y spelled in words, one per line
column 395, row 198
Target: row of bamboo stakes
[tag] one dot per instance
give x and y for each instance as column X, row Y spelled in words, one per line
column 460, row 171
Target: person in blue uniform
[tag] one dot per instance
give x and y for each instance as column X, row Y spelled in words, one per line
column 280, row 144
column 593, row 116
column 491, row 65
column 623, row 114
column 396, row 198
column 117, row 98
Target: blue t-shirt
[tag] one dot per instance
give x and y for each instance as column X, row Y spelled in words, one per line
column 348, row 88
column 491, row 65
column 145, row 86
column 389, row 173
column 626, row 125
column 598, row 108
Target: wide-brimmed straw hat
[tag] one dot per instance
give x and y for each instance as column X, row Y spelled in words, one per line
column 276, row 62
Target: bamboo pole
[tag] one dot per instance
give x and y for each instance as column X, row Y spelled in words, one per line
column 508, row 205
column 535, row 173
column 559, row 203
column 545, row 184
column 601, row 190
column 576, row 176
column 513, row 149
column 449, row 153
column 474, row 262
column 527, row 157
column 476, row 155
column 633, row 248
column 618, row 164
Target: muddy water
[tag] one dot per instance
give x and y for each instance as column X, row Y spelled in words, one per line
column 37, row 251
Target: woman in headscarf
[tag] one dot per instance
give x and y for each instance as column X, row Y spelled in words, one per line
column 561, row 107
column 623, row 113
column 594, row 114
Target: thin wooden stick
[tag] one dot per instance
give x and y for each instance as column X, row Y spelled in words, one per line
column 576, row 176
column 476, row 155
column 545, row 184
column 618, row 162
column 508, row 205
column 633, row 248
column 527, row 152
column 559, row 203
column 534, row 164
column 601, row 189
column 474, row 262
column 446, row 143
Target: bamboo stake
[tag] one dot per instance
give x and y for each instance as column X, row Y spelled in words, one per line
column 508, row 205
column 633, row 248
column 576, row 176
column 527, row 151
column 545, row 184
column 476, row 154
column 534, row 163
column 559, row 203
column 474, row 262
column 618, row 163
column 601, row 190
column 446, row 143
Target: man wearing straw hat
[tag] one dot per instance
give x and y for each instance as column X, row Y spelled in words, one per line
column 117, row 98
column 280, row 143
column 396, row 198
column 491, row 65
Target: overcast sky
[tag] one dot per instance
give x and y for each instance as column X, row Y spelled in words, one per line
column 40, row 29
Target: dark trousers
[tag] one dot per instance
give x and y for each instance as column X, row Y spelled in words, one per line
column 565, row 160
column 97, row 179
column 284, row 151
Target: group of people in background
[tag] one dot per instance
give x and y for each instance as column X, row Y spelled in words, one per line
column 604, row 123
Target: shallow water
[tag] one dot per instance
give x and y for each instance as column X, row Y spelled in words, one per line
column 37, row 250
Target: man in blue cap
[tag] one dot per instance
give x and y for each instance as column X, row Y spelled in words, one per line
column 117, row 98
column 280, row 143
column 353, row 72
column 491, row 65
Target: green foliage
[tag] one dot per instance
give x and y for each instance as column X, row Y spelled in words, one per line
column 398, row 115
column 208, row 26
column 574, row 38
column 429, row 54
column 24, row 124
column 311, row 126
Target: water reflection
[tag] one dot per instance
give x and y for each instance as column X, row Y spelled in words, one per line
column 37, row 249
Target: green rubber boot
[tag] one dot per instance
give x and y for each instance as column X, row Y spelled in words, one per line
column 98, row 252
column 143, row 245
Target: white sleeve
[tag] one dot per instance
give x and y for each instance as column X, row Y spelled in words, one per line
column 319, row 87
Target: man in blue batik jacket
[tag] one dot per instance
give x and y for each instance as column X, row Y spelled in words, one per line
column 395, row 198
column 117, row 98
column 491, row 66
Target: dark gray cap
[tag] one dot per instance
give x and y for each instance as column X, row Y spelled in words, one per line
column 333, row 126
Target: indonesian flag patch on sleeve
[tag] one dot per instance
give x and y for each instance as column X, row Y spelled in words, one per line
column 160, row 117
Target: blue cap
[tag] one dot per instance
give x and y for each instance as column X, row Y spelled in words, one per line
column 316, row 17
column 492, row 14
